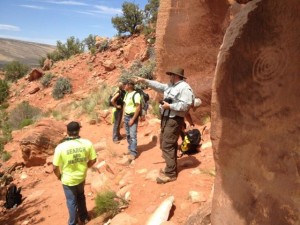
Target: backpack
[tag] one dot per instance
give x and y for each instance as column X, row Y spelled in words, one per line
column 119, row 99
column 144, row 102
column 191, row 142
column 13, row 196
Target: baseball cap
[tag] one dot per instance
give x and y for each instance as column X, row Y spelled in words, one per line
column 73, row 127
column 129, row 81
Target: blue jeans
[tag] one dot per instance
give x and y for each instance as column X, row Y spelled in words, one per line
column 116, row 129
column 131, row 134
column 76, row 203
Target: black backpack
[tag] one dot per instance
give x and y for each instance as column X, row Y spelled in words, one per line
column 144, row 101
column 191, row 142
column 13, row 196
column 119, row 99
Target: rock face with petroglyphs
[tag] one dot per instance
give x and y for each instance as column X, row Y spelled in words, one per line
column 188, row 35
column 256, row 117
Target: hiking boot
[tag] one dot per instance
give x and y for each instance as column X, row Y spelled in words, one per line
column 126, row 153
column 162, row 179
column 83, row 222
column 162, row 171
column 131, row 157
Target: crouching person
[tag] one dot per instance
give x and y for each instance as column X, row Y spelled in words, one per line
column 71, row 160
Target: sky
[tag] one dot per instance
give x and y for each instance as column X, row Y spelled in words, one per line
column 49, row 21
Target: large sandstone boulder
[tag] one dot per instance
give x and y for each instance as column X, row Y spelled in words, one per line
column 35, row 74
column 256, row 117
column 189, row 34
column 39, row 142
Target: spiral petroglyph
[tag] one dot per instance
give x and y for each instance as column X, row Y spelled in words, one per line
column 269, row 65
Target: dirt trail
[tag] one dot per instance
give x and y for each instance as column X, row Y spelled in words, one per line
column 44, row 201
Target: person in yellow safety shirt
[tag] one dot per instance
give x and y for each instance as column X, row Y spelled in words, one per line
column 71, row 160
column 132, row 103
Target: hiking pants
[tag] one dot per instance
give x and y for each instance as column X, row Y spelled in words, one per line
column 117, row 124
column 170, row 131
column 131, row 134
column 76, row 203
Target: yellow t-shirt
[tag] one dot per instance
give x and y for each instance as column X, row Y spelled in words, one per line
column 71, row 157
column 130, row 107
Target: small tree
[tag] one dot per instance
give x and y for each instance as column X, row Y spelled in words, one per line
column 64, row 51
column 132, row 16
column 4, row 91
column 151, row 10
column 90, row 42
column 15, row 70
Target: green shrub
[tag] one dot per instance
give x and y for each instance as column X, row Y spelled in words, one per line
column 46, row 79
column 71, row 47
column 55, row 56
column 90, row 42
column 15, row 70
column 155, row 109
column 22, row 114
column 93, row 50
column 97, row 100
column 109, row 203
column 5, row 156
column 103, row 45
column 62, row 86
column 6, row 134
column 41, row 61
column 4, row 91
column 145, row 70
column 26, row 122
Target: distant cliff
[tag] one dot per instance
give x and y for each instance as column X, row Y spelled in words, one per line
column 25, row 52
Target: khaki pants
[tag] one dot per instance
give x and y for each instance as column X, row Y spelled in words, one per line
column 170, row 131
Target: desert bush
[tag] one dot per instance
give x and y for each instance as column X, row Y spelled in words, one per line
column 5, row 134
column 62, row 86
column 97, row 100
column 46, row 79
column 41, row 61
column 109, row 203
column 4, row 91
column 23, row 113
column 104, row 45
column 155, row 109
column 55, row 56
column 5, row 156
column 145, row 70
column 26, row 122
column 71, row 47
column 15, row 70
column 5, row 127
column 90, row 42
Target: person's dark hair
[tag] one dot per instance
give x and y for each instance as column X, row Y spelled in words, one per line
column 73, row 128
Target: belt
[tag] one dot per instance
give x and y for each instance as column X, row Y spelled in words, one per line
column 129, row 114
column 174, row 118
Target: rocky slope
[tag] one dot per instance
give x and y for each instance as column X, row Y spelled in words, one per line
column 44, row 201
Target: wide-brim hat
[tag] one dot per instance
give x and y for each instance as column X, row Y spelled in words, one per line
column 176, row 71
